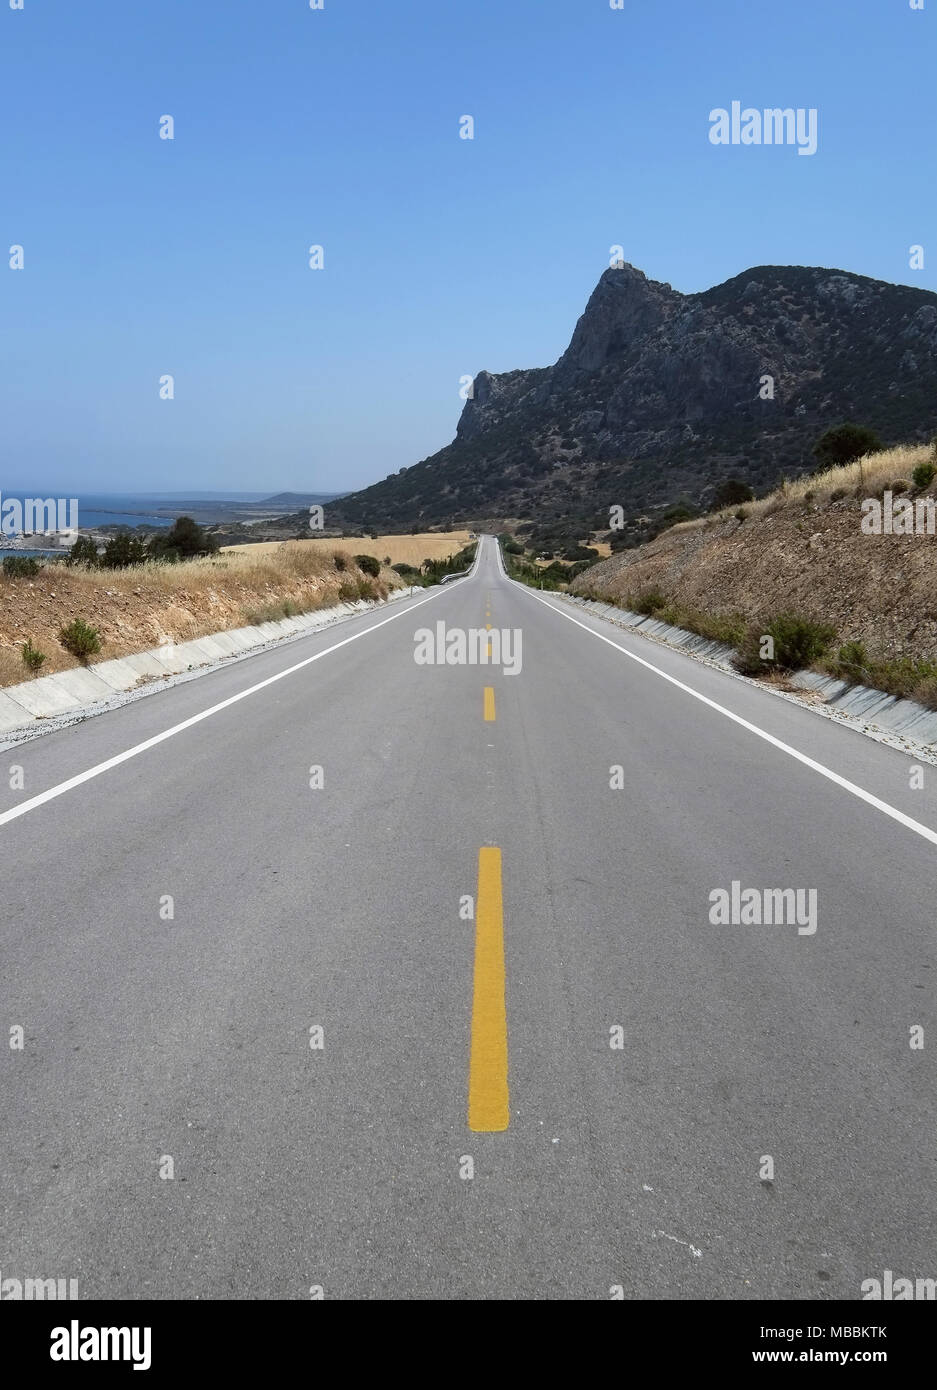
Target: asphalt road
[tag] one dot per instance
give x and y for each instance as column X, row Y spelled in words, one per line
column 341, row 907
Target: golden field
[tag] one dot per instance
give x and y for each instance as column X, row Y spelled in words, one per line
column 401, row 550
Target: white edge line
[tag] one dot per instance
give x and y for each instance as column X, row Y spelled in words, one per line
column 924, row 831
column 62, row 787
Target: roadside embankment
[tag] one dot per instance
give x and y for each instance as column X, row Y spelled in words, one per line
column 160, row 604
column 865, row 604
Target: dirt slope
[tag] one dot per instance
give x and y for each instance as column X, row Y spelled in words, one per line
column 801, row 553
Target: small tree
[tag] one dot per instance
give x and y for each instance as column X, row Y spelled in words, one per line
column 32, row 657
column 83, row 552
column 844, row 444
column 183, row 540
column 122, row 551
column 80, row 638
column 731, row 493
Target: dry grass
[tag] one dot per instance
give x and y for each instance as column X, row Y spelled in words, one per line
column 869, row 474
column 134, row 609
column 403, row 550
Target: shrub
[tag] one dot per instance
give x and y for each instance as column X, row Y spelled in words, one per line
column 83, row 552
column 850, row 662
column 837, row 493
column 122, row 551
column 844, row 444
column 924, row 474
column 369, row 564
column 347, row 592
column 798, row 642
column 731, row 493
column 20, row 566
column 184, row 539
column 648, row 602
column 900, row 485
column 79, row 638
column 340, row 560
column 748, row 658
column 32, row 659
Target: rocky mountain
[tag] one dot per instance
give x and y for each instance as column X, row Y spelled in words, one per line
column 662, row 395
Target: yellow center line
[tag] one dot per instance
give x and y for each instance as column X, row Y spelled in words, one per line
column 488, row 1107
column 489, row 704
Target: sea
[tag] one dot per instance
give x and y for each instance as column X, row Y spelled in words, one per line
column 128, row 509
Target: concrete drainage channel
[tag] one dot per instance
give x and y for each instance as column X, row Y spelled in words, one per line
column 54, row 702
column 900, row 723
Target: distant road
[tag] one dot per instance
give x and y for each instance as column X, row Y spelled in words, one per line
column 617, row 1072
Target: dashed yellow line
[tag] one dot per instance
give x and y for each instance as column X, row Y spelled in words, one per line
column 489, row 704
column 488, row 1106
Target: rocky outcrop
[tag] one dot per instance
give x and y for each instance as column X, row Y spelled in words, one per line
column 662, row 394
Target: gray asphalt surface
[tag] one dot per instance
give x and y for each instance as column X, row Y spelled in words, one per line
column 293, row 907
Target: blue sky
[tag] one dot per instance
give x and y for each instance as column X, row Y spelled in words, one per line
column 442, row 256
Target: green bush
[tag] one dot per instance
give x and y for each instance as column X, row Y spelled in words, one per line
column 850, row 662
column 731, row 493
column 844, row 444
column 20, row 566
column 369, row 564
column 924, row 474
column 340, row 560
column 32, row 658
column 83, row 552
column 798, row 642
column 183, row 540
column 648, row 602
column 79, row 638
column 122, row 550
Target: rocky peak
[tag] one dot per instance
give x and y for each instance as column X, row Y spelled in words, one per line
column 625, row 308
